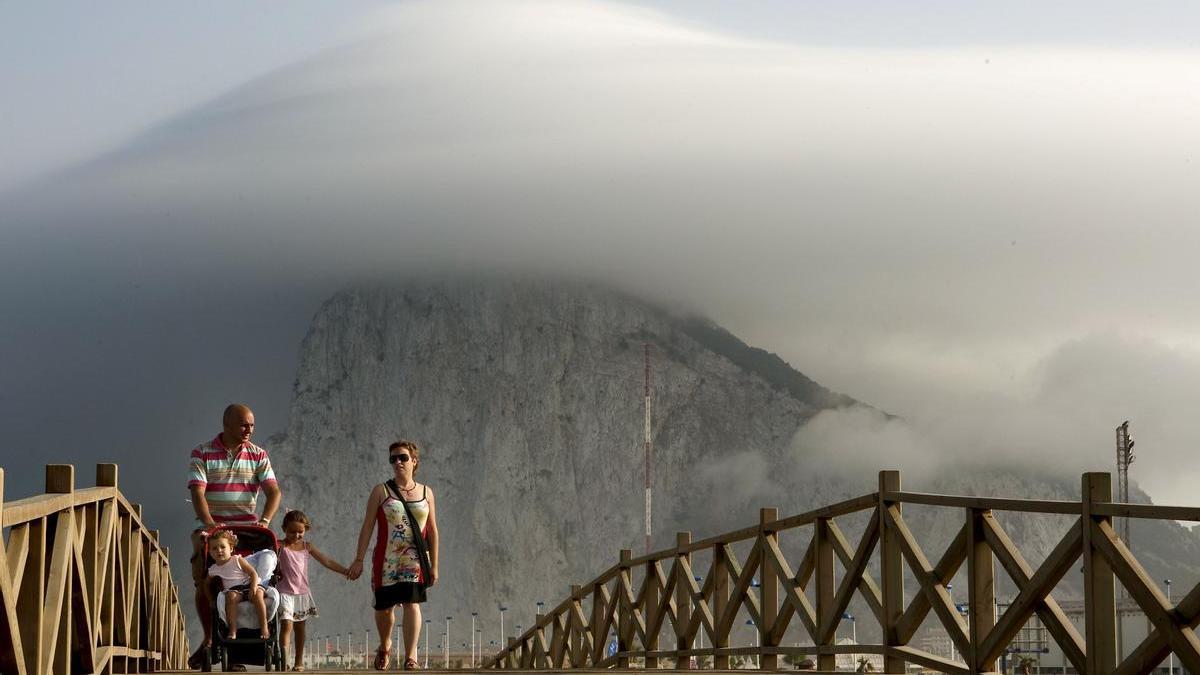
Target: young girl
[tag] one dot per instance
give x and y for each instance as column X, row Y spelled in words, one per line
column 295, row 601
column 240, row 581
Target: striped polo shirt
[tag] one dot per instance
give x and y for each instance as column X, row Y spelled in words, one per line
column 230, row 479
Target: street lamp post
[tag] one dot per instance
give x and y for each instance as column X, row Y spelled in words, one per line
column 754, row 583
column 473, row 615
column 503, row 609
column 428, row 630
column 750, row 623
column 1171, row 663
column 950, row 593
column 853, row 637
column 447, row 642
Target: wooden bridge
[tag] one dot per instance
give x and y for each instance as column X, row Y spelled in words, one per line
column 658, row 598
column 85, row 587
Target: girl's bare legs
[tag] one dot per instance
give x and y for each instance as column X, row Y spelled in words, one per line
column 300, row 630
column 260, row 605
column 412, row 629
column 285, row 636
column 384, row 619
column 232, row 598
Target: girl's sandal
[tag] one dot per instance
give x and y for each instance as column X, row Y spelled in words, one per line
column 410, row 664
column 382, row 659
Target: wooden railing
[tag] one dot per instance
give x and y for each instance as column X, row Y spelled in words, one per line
column 85, row 587
column 641, row 599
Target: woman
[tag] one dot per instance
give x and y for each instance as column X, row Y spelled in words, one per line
column 405, row 560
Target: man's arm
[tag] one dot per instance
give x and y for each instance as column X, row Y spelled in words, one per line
column 274, row 495
column 198, row 485
column 200, row 505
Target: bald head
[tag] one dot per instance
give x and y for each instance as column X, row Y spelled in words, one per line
column 237, row 425
column 235, row 410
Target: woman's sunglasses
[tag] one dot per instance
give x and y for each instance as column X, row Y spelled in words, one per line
column 398, row 459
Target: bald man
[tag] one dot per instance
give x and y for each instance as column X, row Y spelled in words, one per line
column 224, row 478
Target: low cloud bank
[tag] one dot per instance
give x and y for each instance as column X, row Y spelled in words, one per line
column 1062, row 426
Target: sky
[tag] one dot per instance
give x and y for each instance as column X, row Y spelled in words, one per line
column 981, row 219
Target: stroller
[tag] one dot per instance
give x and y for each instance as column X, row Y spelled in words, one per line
column 259, row 546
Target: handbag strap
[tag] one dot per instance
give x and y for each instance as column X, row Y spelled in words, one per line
column 393, row 489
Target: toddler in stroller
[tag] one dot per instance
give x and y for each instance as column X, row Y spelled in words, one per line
column 243, row 565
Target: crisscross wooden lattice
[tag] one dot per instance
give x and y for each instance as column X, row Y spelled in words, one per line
column 639, row 600
column 84, row 586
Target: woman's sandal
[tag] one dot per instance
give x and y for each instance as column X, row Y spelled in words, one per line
column 410, row 664
column 382, row 658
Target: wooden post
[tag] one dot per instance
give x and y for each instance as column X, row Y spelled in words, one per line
column 60, row 479
column 891, row 571
column 981, row 591
column 106, row 475
column 1099, row 583
column 56, row 633
column 624, row 610
column 683, row 598
column 769, row 599
column 650, row 611
column 826, row 585
column 14, row 631
column 720, row 600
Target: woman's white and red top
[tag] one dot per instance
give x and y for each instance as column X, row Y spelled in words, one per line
column 395, row 558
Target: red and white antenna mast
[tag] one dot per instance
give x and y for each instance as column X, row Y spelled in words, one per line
column 647, row 347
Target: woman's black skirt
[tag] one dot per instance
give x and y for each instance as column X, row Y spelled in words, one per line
column 400, row 593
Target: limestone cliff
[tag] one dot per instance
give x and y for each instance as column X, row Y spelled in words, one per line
column 527, row 400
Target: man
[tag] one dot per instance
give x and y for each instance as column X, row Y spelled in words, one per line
column 224, row 478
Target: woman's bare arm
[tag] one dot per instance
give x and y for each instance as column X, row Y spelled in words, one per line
column 364, row 534
column 431, row 534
